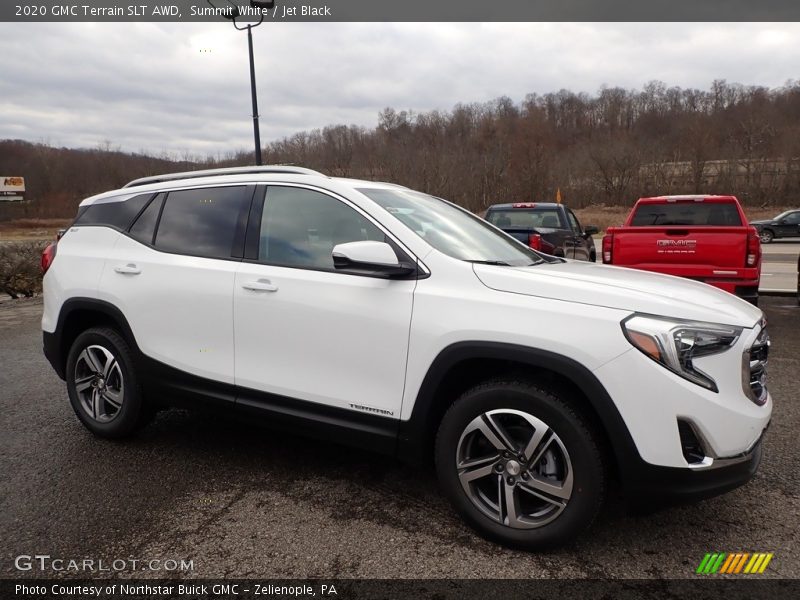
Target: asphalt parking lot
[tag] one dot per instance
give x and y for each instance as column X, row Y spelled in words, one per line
column 240, row 501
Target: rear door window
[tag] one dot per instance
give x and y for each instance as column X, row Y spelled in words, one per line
column 201, row 222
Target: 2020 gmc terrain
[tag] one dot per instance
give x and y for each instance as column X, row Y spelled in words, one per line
column 386, row 318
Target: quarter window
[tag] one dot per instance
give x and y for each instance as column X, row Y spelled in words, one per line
column 201, row 222
column 113, row 214
column 144, row 228
column 300, row 227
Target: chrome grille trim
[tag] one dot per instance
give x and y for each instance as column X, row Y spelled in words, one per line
column 754, row 368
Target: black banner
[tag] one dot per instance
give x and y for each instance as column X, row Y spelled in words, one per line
column 703, row 588
column 403, row 11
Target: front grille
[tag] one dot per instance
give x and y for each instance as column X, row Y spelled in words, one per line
column 754, row 369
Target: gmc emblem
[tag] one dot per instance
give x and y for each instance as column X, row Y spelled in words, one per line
column 677, row 243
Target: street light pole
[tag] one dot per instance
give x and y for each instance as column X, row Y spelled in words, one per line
column 256, row 126
column 232, row 14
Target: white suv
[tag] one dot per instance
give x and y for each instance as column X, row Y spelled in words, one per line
column 374, row 315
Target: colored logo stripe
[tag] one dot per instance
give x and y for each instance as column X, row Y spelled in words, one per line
column 734, row 563
column 727, row 564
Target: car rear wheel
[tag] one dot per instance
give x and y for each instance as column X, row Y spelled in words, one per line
column 103, row 386
column 520, row 465
column 766, row 236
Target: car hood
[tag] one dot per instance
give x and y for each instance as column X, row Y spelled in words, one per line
column 763, row 222
column 622, row 288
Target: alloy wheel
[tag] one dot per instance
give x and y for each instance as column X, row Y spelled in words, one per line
column 99, row 383
column 514, row 468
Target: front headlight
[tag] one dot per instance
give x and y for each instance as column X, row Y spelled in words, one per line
column 675, row 344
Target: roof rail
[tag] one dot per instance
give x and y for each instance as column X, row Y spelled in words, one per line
column 226, row 171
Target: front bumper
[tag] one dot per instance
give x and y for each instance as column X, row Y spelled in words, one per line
column 654, row 485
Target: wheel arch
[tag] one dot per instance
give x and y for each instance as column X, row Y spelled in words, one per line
column 78, row 315
column 462, row 365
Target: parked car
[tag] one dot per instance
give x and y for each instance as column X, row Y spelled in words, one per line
column 705, row 238
column 786, row 224
column 545, row 226
column 373, row 315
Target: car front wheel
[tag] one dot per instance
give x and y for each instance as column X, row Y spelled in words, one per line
column 102, row 384
column 520, row 465
column 766, row 236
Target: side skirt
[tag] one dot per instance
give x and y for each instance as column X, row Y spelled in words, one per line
column 173, row 387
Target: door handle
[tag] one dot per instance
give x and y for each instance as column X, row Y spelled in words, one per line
column 261, row 285
column 129, row 269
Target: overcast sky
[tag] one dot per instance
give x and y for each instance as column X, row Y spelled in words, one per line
column 180, row 87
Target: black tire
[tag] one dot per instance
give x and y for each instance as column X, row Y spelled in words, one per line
column 584, row 455
column 593, row 256
column 766, row 236
column 133, row 413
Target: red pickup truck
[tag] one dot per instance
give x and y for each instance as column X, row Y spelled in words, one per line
column 706, row 238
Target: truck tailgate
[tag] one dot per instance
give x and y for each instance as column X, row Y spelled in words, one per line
column 690, row 248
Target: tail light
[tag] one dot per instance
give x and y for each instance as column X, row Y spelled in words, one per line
column 48, row 256
column 535, row 241
column 607, row 244
column 753, row 248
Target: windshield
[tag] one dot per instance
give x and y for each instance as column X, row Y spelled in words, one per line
column 452, row 230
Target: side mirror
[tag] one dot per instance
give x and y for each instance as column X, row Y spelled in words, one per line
column 369, row 258
column 590, row 230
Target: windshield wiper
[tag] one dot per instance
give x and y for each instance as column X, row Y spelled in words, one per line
column 499, row 263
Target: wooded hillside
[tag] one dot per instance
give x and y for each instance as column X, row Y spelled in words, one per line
column 606, row 148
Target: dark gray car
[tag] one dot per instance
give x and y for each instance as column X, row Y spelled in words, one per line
column 786, row 224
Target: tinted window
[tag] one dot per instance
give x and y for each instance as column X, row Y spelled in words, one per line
column 451, row 230
column 300, row 227
column 793, row 218
column 113, row 214
column 687, row 213
column 525, row 218
column 144, row 227
column 573, row 221
column 200, row 222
